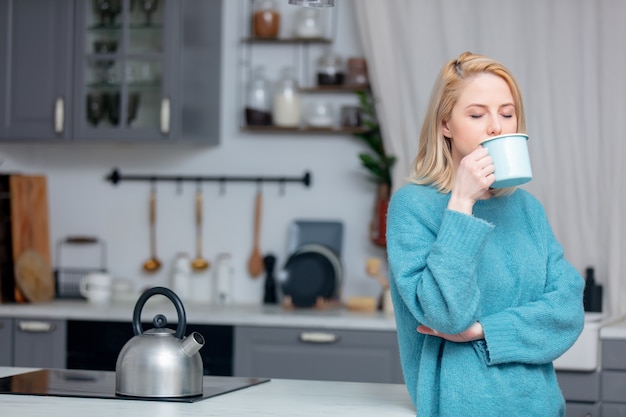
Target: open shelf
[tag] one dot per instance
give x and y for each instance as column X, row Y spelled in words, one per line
column 307, row 129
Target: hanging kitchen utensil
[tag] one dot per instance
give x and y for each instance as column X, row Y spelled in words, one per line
column 199, row 263
column 160, row 362
column 153, row 264
column 33, row 276
column 255, row 263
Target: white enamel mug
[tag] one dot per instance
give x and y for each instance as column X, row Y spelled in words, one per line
column 96, row 287
column 511, row 159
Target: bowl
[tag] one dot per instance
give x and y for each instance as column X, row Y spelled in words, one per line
column 511, row 159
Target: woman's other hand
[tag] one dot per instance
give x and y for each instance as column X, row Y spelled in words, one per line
column 474, row 176
column 475, row 332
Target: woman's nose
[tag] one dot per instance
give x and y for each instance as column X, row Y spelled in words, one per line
column 494, row 128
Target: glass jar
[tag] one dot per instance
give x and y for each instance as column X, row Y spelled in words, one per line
column 259, row 99
column 357, row 72
column 319, row 114
column 308, row 23
column 287, row 101
column 265, row 19
column 330, row 69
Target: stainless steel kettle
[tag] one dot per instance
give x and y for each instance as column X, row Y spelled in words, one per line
column 160, row 362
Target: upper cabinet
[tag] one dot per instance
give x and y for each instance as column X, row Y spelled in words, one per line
column 36, row 70
column 136, row 70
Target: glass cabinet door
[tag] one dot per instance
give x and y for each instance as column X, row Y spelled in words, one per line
column 122, row 69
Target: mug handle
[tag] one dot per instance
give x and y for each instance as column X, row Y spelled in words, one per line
column 83, row 286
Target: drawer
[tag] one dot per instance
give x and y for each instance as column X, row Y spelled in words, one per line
column 317, row 354
column 582, row 410
column 614, row 386
column 6, row 342
column 614, row 354
column 613, row 410
column 579, row 386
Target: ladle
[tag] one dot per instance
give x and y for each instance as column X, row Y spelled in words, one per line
column 199, row 263
column 255, row 263
column 152, row 264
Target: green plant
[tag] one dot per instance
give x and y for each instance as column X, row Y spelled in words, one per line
column 377, row 162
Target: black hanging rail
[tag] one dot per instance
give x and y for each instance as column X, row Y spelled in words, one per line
column 116, row 177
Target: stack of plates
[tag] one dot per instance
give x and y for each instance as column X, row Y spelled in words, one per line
column 313, row 270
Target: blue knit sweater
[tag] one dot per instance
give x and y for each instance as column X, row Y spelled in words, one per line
column 502, row 267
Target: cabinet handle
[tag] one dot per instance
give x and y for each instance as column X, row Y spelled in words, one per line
column 319, row 337
column 59, row 107
column 165, row 116
column 36, row 326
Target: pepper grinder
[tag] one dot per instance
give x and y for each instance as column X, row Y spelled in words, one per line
column 269, row 297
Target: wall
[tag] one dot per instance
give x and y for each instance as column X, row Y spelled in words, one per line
column 82, row 202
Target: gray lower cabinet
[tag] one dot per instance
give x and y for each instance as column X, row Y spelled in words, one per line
column 613, row 378
column 39, row 343
column 36, row 74
column 6, row 341
column 581, row 391
column 317, row 354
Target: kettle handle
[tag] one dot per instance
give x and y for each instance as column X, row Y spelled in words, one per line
column 182, row 318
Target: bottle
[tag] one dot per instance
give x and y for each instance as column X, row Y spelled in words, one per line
column 224, row 279
column 287, row 101
column 269, row 294
column 181, row 276
column 592, row 295
column 259, row 99
column 265, row 19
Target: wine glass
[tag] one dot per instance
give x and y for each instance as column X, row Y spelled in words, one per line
column 95, row 108
column 114, row 108
column 133, row 106
column 115, row 8
column 149, row 6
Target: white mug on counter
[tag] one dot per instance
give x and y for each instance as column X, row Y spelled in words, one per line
column 97, row 287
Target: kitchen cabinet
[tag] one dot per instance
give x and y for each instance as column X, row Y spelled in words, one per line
column 317, row 354
column 149, row 77
column 36, row 69
column 39, row 343
column 613, row 378
column 581, row 391
column 6, row 342
column 78, row 75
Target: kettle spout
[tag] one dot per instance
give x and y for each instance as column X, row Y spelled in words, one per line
column 192, row 344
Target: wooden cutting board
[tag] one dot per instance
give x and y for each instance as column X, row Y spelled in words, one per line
column 29, row 223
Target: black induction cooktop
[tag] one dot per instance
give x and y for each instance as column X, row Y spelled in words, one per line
column 101, row 384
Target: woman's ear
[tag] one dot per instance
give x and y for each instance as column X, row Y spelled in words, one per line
column 445, row 129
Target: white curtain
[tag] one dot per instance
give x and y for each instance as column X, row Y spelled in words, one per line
column 569, row 57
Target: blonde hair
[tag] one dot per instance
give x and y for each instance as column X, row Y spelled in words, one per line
column 433, row 164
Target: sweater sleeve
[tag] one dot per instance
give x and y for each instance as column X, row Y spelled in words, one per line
column 526, row 333
column 433, row 261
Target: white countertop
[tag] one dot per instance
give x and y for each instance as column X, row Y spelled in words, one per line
column 241, row 315
column 276, row 398
column 614, row 330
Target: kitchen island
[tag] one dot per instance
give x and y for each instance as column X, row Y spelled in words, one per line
column 275, row 398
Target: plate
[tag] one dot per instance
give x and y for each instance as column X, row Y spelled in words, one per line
column 309, row 275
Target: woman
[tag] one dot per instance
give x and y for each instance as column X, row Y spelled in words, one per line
column 483, row 297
